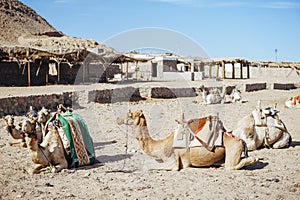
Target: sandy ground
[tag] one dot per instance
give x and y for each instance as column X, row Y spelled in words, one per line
column 122, row 169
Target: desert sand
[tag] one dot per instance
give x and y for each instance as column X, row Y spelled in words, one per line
column 122, row 168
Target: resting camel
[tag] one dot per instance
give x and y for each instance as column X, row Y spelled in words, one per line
column 263, row 127
column 47, row 155
column 15, row 133
column 198, row 156
column 42, row 117
column 293, row 102
column 211, row 97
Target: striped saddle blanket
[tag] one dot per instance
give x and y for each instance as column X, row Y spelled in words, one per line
column 76, row 138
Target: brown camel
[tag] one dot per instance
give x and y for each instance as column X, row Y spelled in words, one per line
column 47, row 155
column 185, row 157
column 14, row 133
column 42, row 117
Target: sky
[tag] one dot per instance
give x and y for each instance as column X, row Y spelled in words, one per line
column 252, row 29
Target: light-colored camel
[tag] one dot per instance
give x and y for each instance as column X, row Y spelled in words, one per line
column 47, row 155
column 195, row 156
column 14, row 132
column 293, row 102
column 263, row 127
column 212, row 97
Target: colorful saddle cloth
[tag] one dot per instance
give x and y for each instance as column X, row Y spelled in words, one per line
column 80, row 144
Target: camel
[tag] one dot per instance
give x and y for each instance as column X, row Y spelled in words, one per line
column 293, row 102
column 42, row 117
column 211, row 97
column 263, row 127
column 47, row 155
column 15, row 133
column 195, row 156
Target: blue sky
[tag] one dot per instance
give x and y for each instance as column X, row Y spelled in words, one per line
column 248, row 29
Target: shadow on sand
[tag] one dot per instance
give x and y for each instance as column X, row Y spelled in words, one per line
column 258, row 165
column 295, row 143
column 100, row 145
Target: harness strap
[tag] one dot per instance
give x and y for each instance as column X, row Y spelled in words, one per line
column 204, row 144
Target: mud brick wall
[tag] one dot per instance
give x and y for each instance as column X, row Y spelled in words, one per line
column 20, row 105
column 169, row 93
column 114, row 95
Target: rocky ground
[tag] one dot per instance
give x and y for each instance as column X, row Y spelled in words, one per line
column 121, row 172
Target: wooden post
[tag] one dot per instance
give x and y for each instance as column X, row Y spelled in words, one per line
column 233, row 70
column 241, row 69
column 28, row 71
column 248, row 70
column 127, row 70
column 218, row 65
column 47, row 73
column 210, row 66
column 58, row 72
column 223, row 70
column 28, row 68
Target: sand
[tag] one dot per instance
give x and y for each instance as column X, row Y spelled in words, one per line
column 121, row 172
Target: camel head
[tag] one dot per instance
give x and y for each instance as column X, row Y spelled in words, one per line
column 9, row 120
column 32, row 114
column 28, row 127
column 43, row 115
column 132, row 118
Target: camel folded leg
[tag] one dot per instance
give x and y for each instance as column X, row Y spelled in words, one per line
column 245, row 162
column 62, row 165
column 234, row 149
column 283, row 142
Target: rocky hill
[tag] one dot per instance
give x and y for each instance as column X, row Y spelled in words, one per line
column 21, row 26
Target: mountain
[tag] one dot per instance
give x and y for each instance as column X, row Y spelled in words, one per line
column 22, row 27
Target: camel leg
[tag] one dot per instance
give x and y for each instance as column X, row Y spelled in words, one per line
column 37, row 169
column 233, row 151
column 62, row 165
column 182, row 158
column 284, row 141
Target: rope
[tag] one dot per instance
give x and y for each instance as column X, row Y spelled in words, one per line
column 49, row 162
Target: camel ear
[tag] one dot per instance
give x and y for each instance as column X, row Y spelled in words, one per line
column 258, row 106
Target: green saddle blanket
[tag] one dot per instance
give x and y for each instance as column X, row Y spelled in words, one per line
column 80, row 142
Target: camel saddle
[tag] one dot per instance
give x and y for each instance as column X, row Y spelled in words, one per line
column 74, row 133
column 206, row 134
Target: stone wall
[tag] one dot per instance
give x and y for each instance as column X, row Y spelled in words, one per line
column 20, row 105
column 114, row 95
column 255, row 87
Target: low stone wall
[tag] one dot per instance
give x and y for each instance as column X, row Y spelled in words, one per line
column 114, row 95
column 287, row 86
column 169, row 93
column 20, row 105
column 255, row 87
